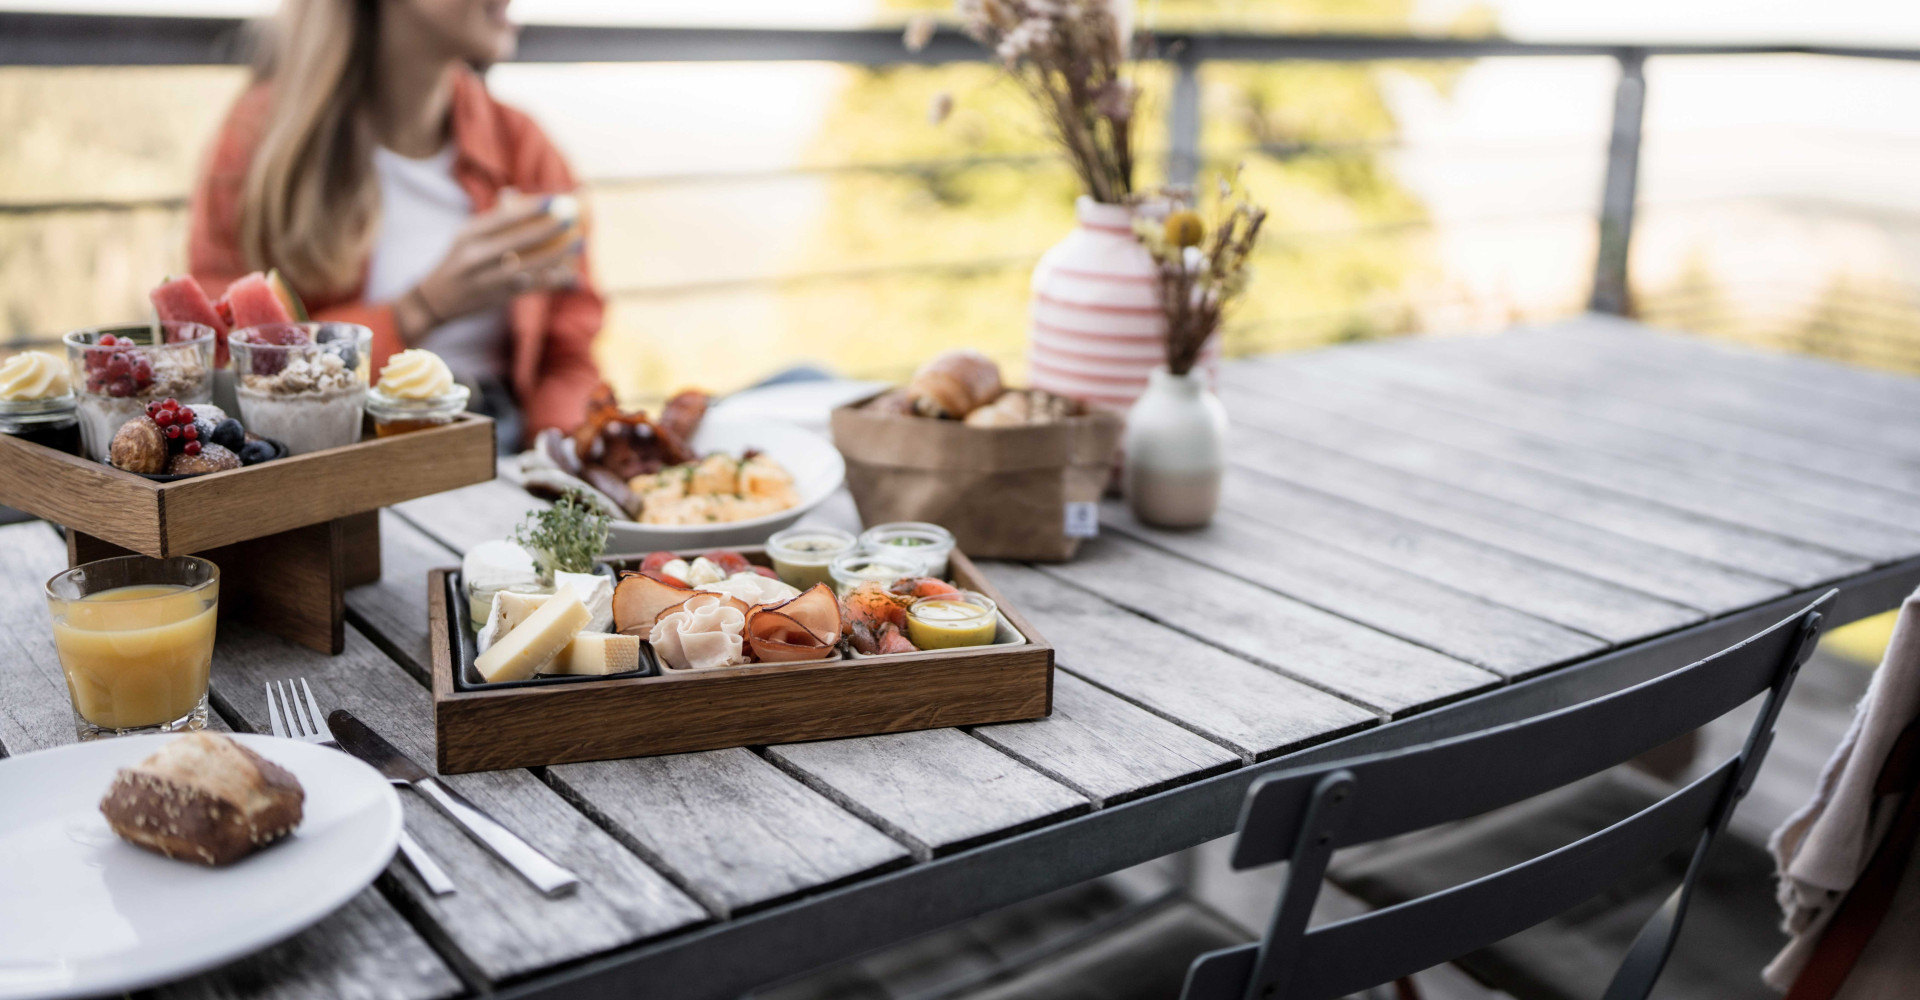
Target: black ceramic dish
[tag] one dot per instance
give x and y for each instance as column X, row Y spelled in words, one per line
column 466, row 649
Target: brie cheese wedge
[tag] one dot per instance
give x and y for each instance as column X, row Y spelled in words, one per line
column 596, row 592
column 509, row 609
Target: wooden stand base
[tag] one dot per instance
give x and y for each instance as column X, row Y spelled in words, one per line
column 292, row 584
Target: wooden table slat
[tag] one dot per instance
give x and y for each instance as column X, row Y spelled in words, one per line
column 1257, row 711
column 938, row 790
column 1825, row 383
column 1105, row 747
column 1691, row 374
column 1409, row 607
column 1511, row 367
column 1672, row 488
column 1552, row 593
column 1681, row 578
column 736, row 831
column 1445, row 385
column 1728, row 544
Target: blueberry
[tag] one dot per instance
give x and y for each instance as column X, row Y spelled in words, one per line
column 227, row 434
column 254, row 452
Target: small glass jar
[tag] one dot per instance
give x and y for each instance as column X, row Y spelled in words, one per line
column 804, row 556
column 949, row 621
column 114, row 380
column 302, row 384
column 863, row 565
column 53, row 422
column 928, row 544
column 400, row 414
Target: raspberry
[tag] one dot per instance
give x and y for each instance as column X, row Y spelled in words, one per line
column 173, row 432
column 192, row 447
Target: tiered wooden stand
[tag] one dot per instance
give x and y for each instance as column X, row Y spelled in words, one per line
column 289, row 535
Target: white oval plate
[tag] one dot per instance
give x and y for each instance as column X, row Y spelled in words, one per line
column 817, row 469
column 86, row 913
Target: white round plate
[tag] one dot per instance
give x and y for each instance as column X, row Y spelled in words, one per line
column 817, row 468
column 86, row 913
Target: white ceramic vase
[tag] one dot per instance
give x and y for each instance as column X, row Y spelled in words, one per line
column 1095, row 327
column 1176, row 451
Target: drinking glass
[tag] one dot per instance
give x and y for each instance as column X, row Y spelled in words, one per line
column 135, row 638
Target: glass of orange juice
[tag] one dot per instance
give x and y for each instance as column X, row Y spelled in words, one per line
column 135, row 637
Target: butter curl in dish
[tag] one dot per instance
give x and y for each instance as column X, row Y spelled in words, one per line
column 705, row 632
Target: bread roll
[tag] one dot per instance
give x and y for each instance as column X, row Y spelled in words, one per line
column 954, row 384
column 203, row 798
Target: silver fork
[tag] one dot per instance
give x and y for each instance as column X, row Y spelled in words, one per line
column 305, row 722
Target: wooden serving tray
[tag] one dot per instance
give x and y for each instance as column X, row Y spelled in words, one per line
column 684, row 711
column 289, row 535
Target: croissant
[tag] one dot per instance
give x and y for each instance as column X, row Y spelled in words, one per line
column 954, row 384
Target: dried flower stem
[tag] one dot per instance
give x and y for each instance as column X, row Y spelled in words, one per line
column 1070, row 55
column 1201, row 265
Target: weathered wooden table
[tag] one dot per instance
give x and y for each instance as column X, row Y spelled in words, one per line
column 1420, row 538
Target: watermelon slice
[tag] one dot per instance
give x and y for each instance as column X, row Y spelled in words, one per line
column 253, row 301
column 181, row 300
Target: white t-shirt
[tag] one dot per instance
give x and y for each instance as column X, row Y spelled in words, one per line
column 422, row 209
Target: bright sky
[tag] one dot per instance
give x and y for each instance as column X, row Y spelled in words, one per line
column 1867, row 22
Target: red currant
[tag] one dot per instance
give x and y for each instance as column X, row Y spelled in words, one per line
column 192, row 447
column 163, row 417
column 173, row 432
column 190, row 432
column 118, row 365
column 108, row 340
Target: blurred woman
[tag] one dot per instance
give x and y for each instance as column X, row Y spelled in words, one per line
column 368, row 163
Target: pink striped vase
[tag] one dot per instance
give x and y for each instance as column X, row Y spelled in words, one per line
column 1095, row 329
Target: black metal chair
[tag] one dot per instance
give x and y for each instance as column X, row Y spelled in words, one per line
column 1303, row 816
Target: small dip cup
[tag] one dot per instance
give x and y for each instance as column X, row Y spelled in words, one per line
column 53, row 422
column 279, row 369
column 864, row 565
column 399, row 414
column 135, row 639
column 804, row 556
column 927, row 543
column 115, row 382
column 949, row 622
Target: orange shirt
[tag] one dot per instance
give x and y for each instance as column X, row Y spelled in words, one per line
column 495, row 147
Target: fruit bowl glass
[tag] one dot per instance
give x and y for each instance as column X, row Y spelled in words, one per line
column 116, row 371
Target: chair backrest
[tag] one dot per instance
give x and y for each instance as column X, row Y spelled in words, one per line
column 1303, row 816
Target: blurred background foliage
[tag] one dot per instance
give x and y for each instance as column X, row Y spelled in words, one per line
column 748, row 217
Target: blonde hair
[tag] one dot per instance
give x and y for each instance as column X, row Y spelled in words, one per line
column 311, row 202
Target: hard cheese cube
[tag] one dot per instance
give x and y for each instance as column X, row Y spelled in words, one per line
column 531, row 644
column 598, row 653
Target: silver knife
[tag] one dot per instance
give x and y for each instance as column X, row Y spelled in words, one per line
column 538, row 869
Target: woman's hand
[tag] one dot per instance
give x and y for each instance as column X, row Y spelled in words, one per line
column 514, row 249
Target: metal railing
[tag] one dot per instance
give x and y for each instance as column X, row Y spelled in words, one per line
column 46, row 39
